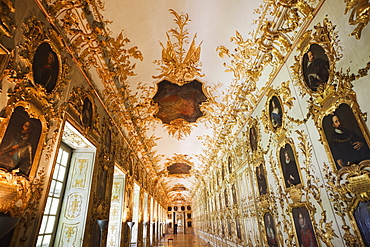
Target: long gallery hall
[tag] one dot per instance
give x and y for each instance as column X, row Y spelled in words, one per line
column 186, row 123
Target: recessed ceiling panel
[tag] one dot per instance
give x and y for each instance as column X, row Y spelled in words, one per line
column 179, row 101
column 179, row 168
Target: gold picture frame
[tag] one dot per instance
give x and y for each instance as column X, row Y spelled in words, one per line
column 345, row 110
column 288, row 165
column 46, row 66
column 359, row 215
column 302, row 215
column 313, row 70
column 23, row 132
column 253, row 135
column 276, row 113
column 261, row 179
column 269, row 230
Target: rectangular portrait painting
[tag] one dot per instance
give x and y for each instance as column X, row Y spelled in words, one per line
column 346, row 140
column 19, row 144
column 303, row 226
column 270, row 230
column 362, row 217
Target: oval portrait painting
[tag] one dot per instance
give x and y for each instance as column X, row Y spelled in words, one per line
column 315, row 67
column 276, row 113
column 45, row 67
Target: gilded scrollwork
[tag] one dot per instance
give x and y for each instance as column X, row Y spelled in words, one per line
column 360, row 15
column 178, row 67
column 35, row 35
column 314, row 67
column 83, row 109
column 7, row 11
column 313, row 190
column 274, row 115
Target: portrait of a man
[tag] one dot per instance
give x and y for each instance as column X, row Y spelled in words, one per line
column 261, row 180
column 289, row 166
column 304, row 229
column 315, row 67
column 45, row 67
column 347, row 143
column 20, row 141
column 87, row 112
column 275, row 111
column 253, row 138
column 362, row 217
column 270, row 230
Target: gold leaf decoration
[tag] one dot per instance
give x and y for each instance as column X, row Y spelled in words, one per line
column 176, row 65
column 360, row 15
column 179, row 128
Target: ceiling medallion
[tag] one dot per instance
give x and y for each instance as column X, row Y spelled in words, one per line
column 178, row 67
column 179, row 165
column 179, row 94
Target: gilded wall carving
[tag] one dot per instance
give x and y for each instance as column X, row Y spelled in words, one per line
column 359, row 15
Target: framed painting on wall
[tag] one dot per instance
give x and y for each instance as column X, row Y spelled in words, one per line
column 45, row 67
column 19, row 145
column 345, row 138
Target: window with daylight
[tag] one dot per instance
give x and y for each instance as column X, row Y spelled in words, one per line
column 55, row 197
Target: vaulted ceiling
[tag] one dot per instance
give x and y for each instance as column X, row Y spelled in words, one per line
column 174, row 74
column 162, row 30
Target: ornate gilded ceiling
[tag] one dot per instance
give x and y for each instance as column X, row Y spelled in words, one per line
column 162, row 78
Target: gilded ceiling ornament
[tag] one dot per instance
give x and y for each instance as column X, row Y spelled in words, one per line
column 179, row 107
column 179, row 128
column 360, row 15
column 177, row 65
column 179, row 159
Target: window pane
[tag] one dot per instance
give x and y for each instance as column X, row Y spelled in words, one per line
column 46, row 241
column 52, row 186
column 59, row 156
column 65, row 157
column 56, row 171
column 51, row 211
column 47, row 207
column 58, row 189
column 54, row 206
column 39, row 241
column 43, row 224
column 50, row 224
column 62, row 171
